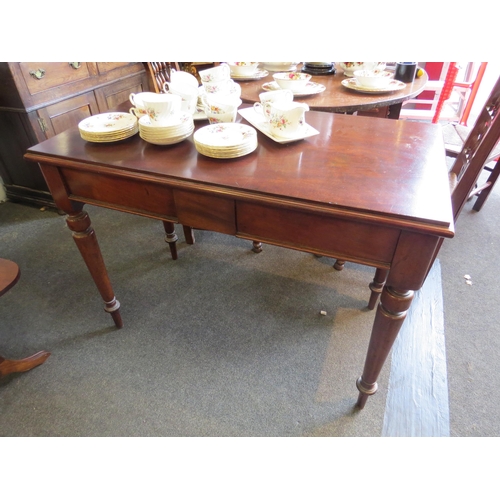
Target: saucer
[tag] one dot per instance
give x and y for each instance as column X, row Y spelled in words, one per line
column 311, row 88
column 260, row 73
column 258, row 121
column 351, row 83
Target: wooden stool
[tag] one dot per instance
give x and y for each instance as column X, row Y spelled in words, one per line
column 9, row 276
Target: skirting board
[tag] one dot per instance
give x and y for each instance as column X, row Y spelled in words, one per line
column 417, row 398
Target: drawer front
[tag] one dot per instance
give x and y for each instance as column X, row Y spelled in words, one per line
column 41, row 76
column 205, row 211
column 104, row 67
column 323, row 234
column 128, row 195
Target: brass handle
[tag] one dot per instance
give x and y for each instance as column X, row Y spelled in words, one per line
column 75, row 65
column 38, row 74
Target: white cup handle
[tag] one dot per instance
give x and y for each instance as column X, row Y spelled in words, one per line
column 166, row 86
column 131, row 98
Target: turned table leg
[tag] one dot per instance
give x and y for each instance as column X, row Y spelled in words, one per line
column 376, row 286
column 171, row 238
column 86, row 241
column 391, row 312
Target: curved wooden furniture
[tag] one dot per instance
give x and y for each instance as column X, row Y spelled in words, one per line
column 338, row 99
column 9, row 276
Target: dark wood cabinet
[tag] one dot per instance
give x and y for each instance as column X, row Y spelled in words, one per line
column 41, row 99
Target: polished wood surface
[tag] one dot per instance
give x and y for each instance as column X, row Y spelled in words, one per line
column 359, row 191
column 336, row 98
column 9, row 276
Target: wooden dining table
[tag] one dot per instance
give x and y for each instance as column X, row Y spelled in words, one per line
column 338, row 99
column 367, row 190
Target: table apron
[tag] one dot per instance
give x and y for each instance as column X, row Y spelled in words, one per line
column 278, row 224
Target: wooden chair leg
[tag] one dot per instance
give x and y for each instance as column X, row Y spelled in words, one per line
column 8, row 366
column 376, row 286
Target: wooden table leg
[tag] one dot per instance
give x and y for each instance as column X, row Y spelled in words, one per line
column 8, row 366
column 188, row 234
column 86, row 241
column 389, row 318
column 171, row 238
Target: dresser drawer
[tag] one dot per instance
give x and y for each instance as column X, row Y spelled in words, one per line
column 41, row 76
column 104, row 67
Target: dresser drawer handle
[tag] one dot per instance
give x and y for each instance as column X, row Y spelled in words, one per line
column 38, row 74
column 75, row 65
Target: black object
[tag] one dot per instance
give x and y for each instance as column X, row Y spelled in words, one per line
column 405, row 71
column 319, row 69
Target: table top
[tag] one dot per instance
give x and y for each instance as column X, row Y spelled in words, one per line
column 336, row 98
column 390, row 171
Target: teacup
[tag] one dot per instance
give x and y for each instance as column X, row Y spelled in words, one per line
column 183, row 79
column 243, row 68
column 137, row 112
column 223, row 86
column 138, row 100
column 221, row 117
column 215, row 74
column 272, row 96
column 287, row 119
column 189, row 96
column 162, row 108
column 220, row 104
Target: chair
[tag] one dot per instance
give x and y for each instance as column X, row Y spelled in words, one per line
column 159, row 73
column 480, row 144
column 449, row 81
column 9, row 276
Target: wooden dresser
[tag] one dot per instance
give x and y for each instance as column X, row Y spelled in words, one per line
column 41, row 99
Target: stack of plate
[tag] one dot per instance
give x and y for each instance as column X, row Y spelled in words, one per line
column 225, row 140
column 180, row 128
column 108, row 127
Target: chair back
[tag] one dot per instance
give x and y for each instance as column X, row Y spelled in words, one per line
column 476, row 150
column 160, row 73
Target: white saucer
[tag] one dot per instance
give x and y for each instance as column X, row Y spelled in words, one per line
column 258, row 121
column 260, row 73
column 311, row 88
column 351, row 83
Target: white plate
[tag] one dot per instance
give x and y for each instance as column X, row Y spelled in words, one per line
column 225, row 135
column 311, row 88
column 258, row 121
column 260, row 73
column 351, row 83
column 107, row 123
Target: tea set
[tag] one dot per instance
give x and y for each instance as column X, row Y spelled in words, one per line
column 369, row 77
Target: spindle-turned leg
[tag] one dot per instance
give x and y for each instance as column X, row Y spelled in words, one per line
column 86, row 241
column 171, row 238
column 389, row 318
column 376, row 286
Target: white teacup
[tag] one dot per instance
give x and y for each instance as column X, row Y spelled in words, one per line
column 215, row 74
column 138, row 100
column 219, row 104
column 287, row 119
column 283, row 95
column 189, row 96
column 243, row 68
column 183, row 79
column 162, row 108
column 137, row 112
column 221, row 117
column 222, row 86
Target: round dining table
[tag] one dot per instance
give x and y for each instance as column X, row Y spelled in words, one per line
column 336, row 98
